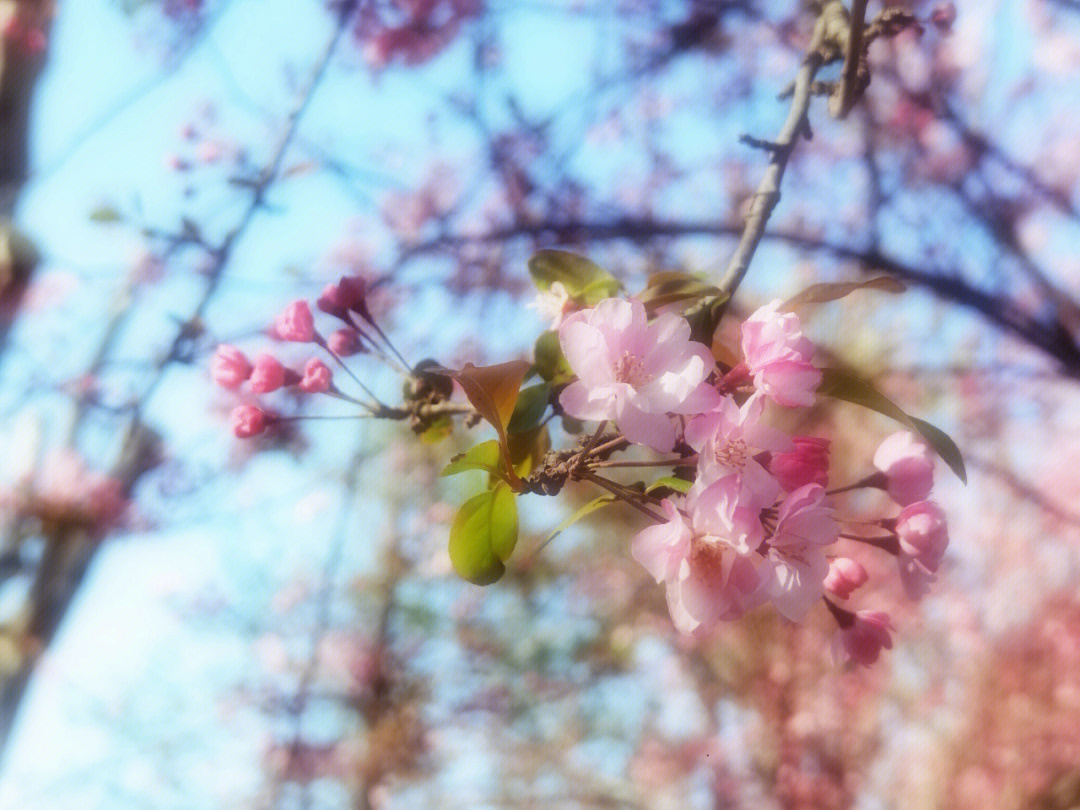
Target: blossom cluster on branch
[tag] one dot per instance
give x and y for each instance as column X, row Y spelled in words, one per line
column 744, row 515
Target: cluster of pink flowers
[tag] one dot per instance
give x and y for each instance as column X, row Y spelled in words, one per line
column 756, row 525
column 232, row 369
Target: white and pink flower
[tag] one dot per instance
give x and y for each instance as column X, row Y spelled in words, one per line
column 728, row 437
column 634, row 372
column 778, row 356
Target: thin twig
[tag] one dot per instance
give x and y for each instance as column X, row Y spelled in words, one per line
column 840, row 104
column 618, row 492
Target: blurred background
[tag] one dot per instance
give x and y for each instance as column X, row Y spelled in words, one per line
column 192, row 621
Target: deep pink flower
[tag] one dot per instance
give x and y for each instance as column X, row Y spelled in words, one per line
column 268, row 375
column 796, row 555
column 295, row 323
column 845, row 575
column 808, row 463
column 728, row 437
column 248, row 421
column 779, row 356
column 863, row 640
column 344, row 342
column 923, row 533
column 909, row 464
column 332, row 302
column 634, row 372
column 317, row 377
column 229, row 367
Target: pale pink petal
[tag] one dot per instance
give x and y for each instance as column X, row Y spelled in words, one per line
column 590, row 405
column 639, row 427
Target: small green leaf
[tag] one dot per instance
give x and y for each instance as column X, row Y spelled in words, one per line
column 550, row 362
column 484, row 456
column 831, row 291
column 483, row 535
column 530, row 407
column 528, row 448
column 704, row 317
column 669, row 482
column 587, row 283
column 106, row 214
column 587, row 509
column 846, row 386
column 438, row 430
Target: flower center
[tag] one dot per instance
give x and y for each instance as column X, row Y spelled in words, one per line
column 630, row 370
column 732, row 454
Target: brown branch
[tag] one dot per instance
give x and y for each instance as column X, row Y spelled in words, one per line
column 855, row 77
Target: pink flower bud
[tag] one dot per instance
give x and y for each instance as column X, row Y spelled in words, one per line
column 845, row 575
column 909, row 465
column 229, row 367
column 808, row 463
column 779, row 356
column 296, row 323
column 317, row 377
column 863, row 640
column 345, row 342
column 268, row 375
column 248, row 421
column 332, row 302
column 923, row 533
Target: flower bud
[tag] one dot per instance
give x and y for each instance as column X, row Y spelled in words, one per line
column 229, row 367
column 863, row 640
column 268, row 375
column 248, row 421
column 345, row 342
column 909, row 465
column 295, row 323
column 845, row 575
column 317, row 377
column 923, row 533
column 808, row 463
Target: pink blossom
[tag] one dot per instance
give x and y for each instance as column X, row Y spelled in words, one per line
column 909, row 464
column 845, row 575
column 863, row 639
column 727, row 437
column 779, row 356
column 268, row 374
column 923, row 533
column 332, row 302
column 634, row 372
column 317, row 377
column 914, row 579
column 344, row 342
column 729, row 508
column 295, row 323
column 248, row 421
column 707, row 579
column 796, row 555
column 229, row 367
column 808, row 463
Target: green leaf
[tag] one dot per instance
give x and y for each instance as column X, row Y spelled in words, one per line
column 846, row 386
column 672, row 286
column 669, row 482
column 831, row 291
column 528, row 448
column 587, row 283
column 531, row 404
column 587, row 509
column 704, row 317
column 438, row 430
column 483, row 535
column 484, row 456
column 106, row 214
column 550, row 361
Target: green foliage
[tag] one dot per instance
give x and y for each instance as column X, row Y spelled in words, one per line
column 549, row 361
column 106, row 214
column 846, row 386
column 530, row 407
column 484, row 534
column 484, row 456
column 584, row 511
column 673, row 287
column 669, row 482
column 585, row 282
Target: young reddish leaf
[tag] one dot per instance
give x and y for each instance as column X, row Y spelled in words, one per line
column 846, row 386
column 493, row 391
column 483, row 535
column 831, row 291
